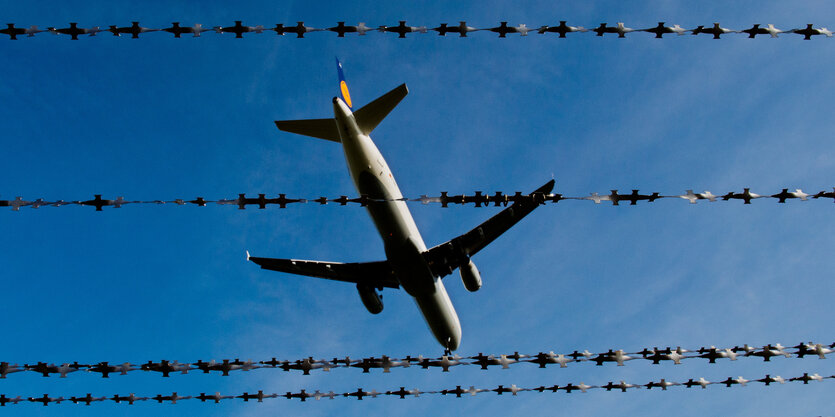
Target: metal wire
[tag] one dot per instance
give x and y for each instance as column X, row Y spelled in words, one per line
column 402, row 393
column 477, row 199
column 73, row 31
column 386, row 363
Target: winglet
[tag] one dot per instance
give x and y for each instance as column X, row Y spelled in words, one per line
column 343, row 86
column 247, row 256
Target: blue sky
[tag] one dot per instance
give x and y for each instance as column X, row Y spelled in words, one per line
column 164, row 118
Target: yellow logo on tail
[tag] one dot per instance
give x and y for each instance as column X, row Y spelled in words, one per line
column 345, row 94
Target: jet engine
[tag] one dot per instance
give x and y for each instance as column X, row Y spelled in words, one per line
column 470, row 277
column 372, row 301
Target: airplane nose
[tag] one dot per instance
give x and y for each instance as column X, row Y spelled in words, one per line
column 334, row 99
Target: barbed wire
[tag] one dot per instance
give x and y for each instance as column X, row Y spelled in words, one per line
column 478, row 199
column 402, row 392
column 386, row 363
column 462, row 29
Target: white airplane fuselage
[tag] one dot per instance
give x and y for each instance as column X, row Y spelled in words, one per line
column 401, row 239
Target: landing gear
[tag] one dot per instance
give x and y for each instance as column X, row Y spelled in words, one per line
column 447, row 352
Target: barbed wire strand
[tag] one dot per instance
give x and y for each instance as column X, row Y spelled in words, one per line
column 477, row 199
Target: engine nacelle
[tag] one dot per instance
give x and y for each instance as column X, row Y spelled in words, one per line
column 470, row 277
column 372, row 301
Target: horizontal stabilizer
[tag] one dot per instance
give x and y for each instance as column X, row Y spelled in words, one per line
column 373, row 113
column 317, row 128
column 372, row 274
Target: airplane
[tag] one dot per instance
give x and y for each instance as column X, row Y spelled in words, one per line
column 300, row 29
column 716, row 31
column 707, row 195
column 757, row 30
column 809, row 31
column 503, row 29
column 129, row 398
column 105, row 369
column 86, row 399
column 13, row 31
column 173, row 398
column 134, row 29
column 341, row 29
column 259, row 396
column 4, row 400
column 769, row 379
column 6, row 369
column 403, row 392
column 785, row 194
column 543, row 359
column 660, row 30
column 74, row 31
column 620, row 29
column 178, row 30
column 401, row 30
column 462, row 29
column 409, row 264
column 663, row 384
column 562, row 29
column 216, row 397
column 239, row 29
column 46, row 399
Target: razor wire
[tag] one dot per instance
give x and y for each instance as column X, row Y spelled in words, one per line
column 477, row 199
column 462, row 29
column 386, row 363
column 402, row 392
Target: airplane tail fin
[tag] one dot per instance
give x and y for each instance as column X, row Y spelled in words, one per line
column 344, row 94
column 368, row 117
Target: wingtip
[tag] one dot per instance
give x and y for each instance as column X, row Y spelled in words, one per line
column 247, row 255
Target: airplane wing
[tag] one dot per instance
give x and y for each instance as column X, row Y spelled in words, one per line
column 444, row 258
column 374, row 274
